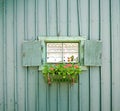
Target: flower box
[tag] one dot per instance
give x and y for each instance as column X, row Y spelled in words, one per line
column 61, row 72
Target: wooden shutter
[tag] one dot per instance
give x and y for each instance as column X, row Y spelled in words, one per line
column 31, row 53
column 92, row 53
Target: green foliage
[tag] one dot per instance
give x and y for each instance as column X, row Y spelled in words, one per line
column 61, row 72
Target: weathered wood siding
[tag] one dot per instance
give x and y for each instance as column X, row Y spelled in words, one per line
column 24, row 89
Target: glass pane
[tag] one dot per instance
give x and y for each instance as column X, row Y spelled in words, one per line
column 62, row 52
column 54, row 52
column 70, row 52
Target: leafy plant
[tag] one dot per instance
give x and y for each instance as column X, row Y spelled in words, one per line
column 61, row 72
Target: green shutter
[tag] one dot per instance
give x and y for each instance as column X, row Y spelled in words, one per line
column 31, row 53
column 92, row 53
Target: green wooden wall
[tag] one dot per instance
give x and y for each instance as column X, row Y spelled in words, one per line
column 24, row 89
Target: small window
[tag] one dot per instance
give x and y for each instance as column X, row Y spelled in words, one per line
column 62, row 52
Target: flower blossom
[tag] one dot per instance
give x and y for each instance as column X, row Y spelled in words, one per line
column 51, row 68
column 76, row 66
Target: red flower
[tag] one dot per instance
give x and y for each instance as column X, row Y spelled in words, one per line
column 65, row 66
column 76, row 66
column 69, row 65
column 51, row 68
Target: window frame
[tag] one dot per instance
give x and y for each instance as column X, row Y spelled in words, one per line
column 67, row 39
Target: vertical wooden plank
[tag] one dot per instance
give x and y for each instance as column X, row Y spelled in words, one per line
column 115, row 23
column 42, row 26
column 42, row 93
column 52, row 17
column 4, row 58
column 73, row 31
column 83, row 12
column 84, row 91
column 63, row 97
column 19, row 40
column 47, row 17
column 31, row 19
column 63, row 17
column 94, row 19
column 95, row 89
column 1, row 56
column 73, row 18
column 32, row 71
column 94, row 71
column 68, row 34
column 58, row 17
column 53, row 97
column 84, row 77
column 26, row 37
column 37, row 74
column 68, row 17
column 105, row 75
column 10, row 55
column 15, row 55
column 53, row 28
column 73, row 97
column 62, row 90
column 111, row 57
column 42, row 17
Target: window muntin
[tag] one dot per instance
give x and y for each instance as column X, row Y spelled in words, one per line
column 62, row 52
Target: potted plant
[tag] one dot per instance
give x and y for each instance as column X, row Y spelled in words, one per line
column 61, row 72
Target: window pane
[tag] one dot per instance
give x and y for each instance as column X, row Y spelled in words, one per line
column 70, row 52
column 54, row 52
column 62, row 52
